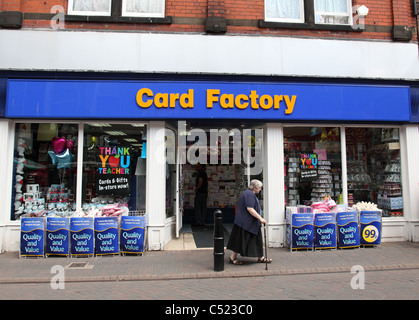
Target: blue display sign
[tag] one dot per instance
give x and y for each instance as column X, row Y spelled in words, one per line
column 106, row 236
column 370, row 227
column 301, row 230
column 133, row 234
column 82, row 236
column 348, row 229
column 325, row 230
column 32, row 237
column 205, row 100
column 57, row 236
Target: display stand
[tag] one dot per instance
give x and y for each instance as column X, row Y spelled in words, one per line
column 133, row 234
column 106, row 236
column 300, row 230
column 57, row 237
column 348, row 229
column 371, row 226
column 82, row 236
column 32, row 237
column 325, row 231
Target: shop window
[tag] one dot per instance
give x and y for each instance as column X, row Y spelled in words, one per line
column 114, row 168
column 374, row 168
column 44, row 169
column 312, row 165
column 143, row 8
column 333, row 11
column 284, row 10
column 89, row 7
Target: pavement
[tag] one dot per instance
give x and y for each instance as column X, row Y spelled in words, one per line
column 199, row 264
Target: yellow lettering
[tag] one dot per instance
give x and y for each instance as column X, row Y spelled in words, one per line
column 266, row 102
column 212, row 96
column 103, row 160
column 253, row 99
column 140, row 101
column 161, row 100
column 173, row 98
column 187, row 99
column 227, row 101
column 290, row 104
column 277, row 101
column 239, row 103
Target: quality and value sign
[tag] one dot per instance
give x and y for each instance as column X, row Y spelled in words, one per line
column 57, row 236
column 325, row 230
column 348, row 229
column 302, row 231
column 106, row 235
column 82, row 236
column 133, row 234
column 32, row 237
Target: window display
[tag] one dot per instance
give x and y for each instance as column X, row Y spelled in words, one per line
column 45, row 167
column 374, row 168
column 114, row 160
column 312, row 165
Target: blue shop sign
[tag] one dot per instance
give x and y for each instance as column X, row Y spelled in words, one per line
column 205, row 100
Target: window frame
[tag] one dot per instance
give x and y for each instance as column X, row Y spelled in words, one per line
column 287, row 20
column 336, row 14
column 124, row 12
column 70, row 10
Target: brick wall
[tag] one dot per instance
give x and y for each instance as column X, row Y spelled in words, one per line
column 242, row 18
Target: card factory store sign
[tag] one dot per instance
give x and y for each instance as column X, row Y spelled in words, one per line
column 60, row 99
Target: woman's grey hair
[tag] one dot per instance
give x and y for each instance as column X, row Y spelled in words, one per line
column 254, row 184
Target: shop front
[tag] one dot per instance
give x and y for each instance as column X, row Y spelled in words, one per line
column 128, row 148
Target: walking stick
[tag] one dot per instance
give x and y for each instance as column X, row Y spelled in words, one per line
column 266, row 247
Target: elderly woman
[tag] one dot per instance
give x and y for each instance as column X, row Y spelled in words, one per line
column 246, row 236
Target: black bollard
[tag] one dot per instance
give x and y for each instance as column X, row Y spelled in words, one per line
column 218, row 241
